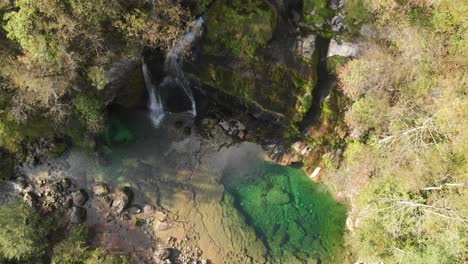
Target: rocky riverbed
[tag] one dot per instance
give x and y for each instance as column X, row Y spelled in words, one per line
column 159, row 197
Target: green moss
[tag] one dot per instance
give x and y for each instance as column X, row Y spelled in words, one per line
column 295, row 216
column 240, row 27
column 117, row 132
column 275, row 88
column 238, row 30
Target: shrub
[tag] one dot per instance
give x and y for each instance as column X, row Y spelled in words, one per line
column 90, row 109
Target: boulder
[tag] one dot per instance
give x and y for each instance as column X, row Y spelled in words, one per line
column 77, row 215
column 336, row 4
column 121, row 198
column 79, row 197
column 337, row 23
column 134, row 209
column 101, row 189
column 66, row 183
column 30, row 199
column 344, row 49
column 306, row 45
column 164, row 254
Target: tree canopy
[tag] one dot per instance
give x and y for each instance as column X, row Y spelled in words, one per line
column 404, row 168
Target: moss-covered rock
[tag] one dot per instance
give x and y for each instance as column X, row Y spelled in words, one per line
column 235, row 61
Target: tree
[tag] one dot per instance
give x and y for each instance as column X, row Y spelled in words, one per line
column 404, row 169
column 65, row 48
column 75, row 250
column 23, row 233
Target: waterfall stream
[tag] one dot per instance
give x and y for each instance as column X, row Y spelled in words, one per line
column 174, row 59
column 175, row 74
column 155, row 105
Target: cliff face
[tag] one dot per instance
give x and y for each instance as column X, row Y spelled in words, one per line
column 262, row 54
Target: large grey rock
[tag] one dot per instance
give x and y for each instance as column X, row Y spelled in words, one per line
column 344, row 49
column 164, row 254
column 306, row 45
column 77, row 215
column 30, row 199
column 337, row 4
column 337, row 23
column 79, row 197
column 122, row 198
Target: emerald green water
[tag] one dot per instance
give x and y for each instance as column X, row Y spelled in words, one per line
column 295, row 217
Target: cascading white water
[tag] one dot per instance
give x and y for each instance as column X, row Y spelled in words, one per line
column 175, row 74
column 155, row 105
column 174, row 59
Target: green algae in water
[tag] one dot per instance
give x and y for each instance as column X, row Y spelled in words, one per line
column 118, row 132
column 294, row 216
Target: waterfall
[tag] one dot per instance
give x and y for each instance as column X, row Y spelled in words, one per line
column 175, row 74
column 155, row 105
column 174, row 59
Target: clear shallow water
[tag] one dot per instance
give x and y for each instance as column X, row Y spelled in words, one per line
column 234, row 205
column 295, row 217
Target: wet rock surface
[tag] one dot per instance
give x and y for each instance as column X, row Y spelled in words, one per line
column 79, row 197
column 121, row 198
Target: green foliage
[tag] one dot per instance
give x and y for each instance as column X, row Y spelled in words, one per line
column 75, row 250
column 295, row 217
column 356, row 15
column 99, row 256
column 98, row 77
column 317, row 12
column 50, row 46
column 404, row 227
column 23, row 234
column 406, row 165
column 251, row 25
column 158, row 26
column 13, row 133
column 334, row 63
column 90, row 110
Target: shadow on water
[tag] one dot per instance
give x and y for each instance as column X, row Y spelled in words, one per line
column 295, row 217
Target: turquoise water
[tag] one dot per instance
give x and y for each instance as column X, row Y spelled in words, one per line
column 297, row 219
column 294, row 216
